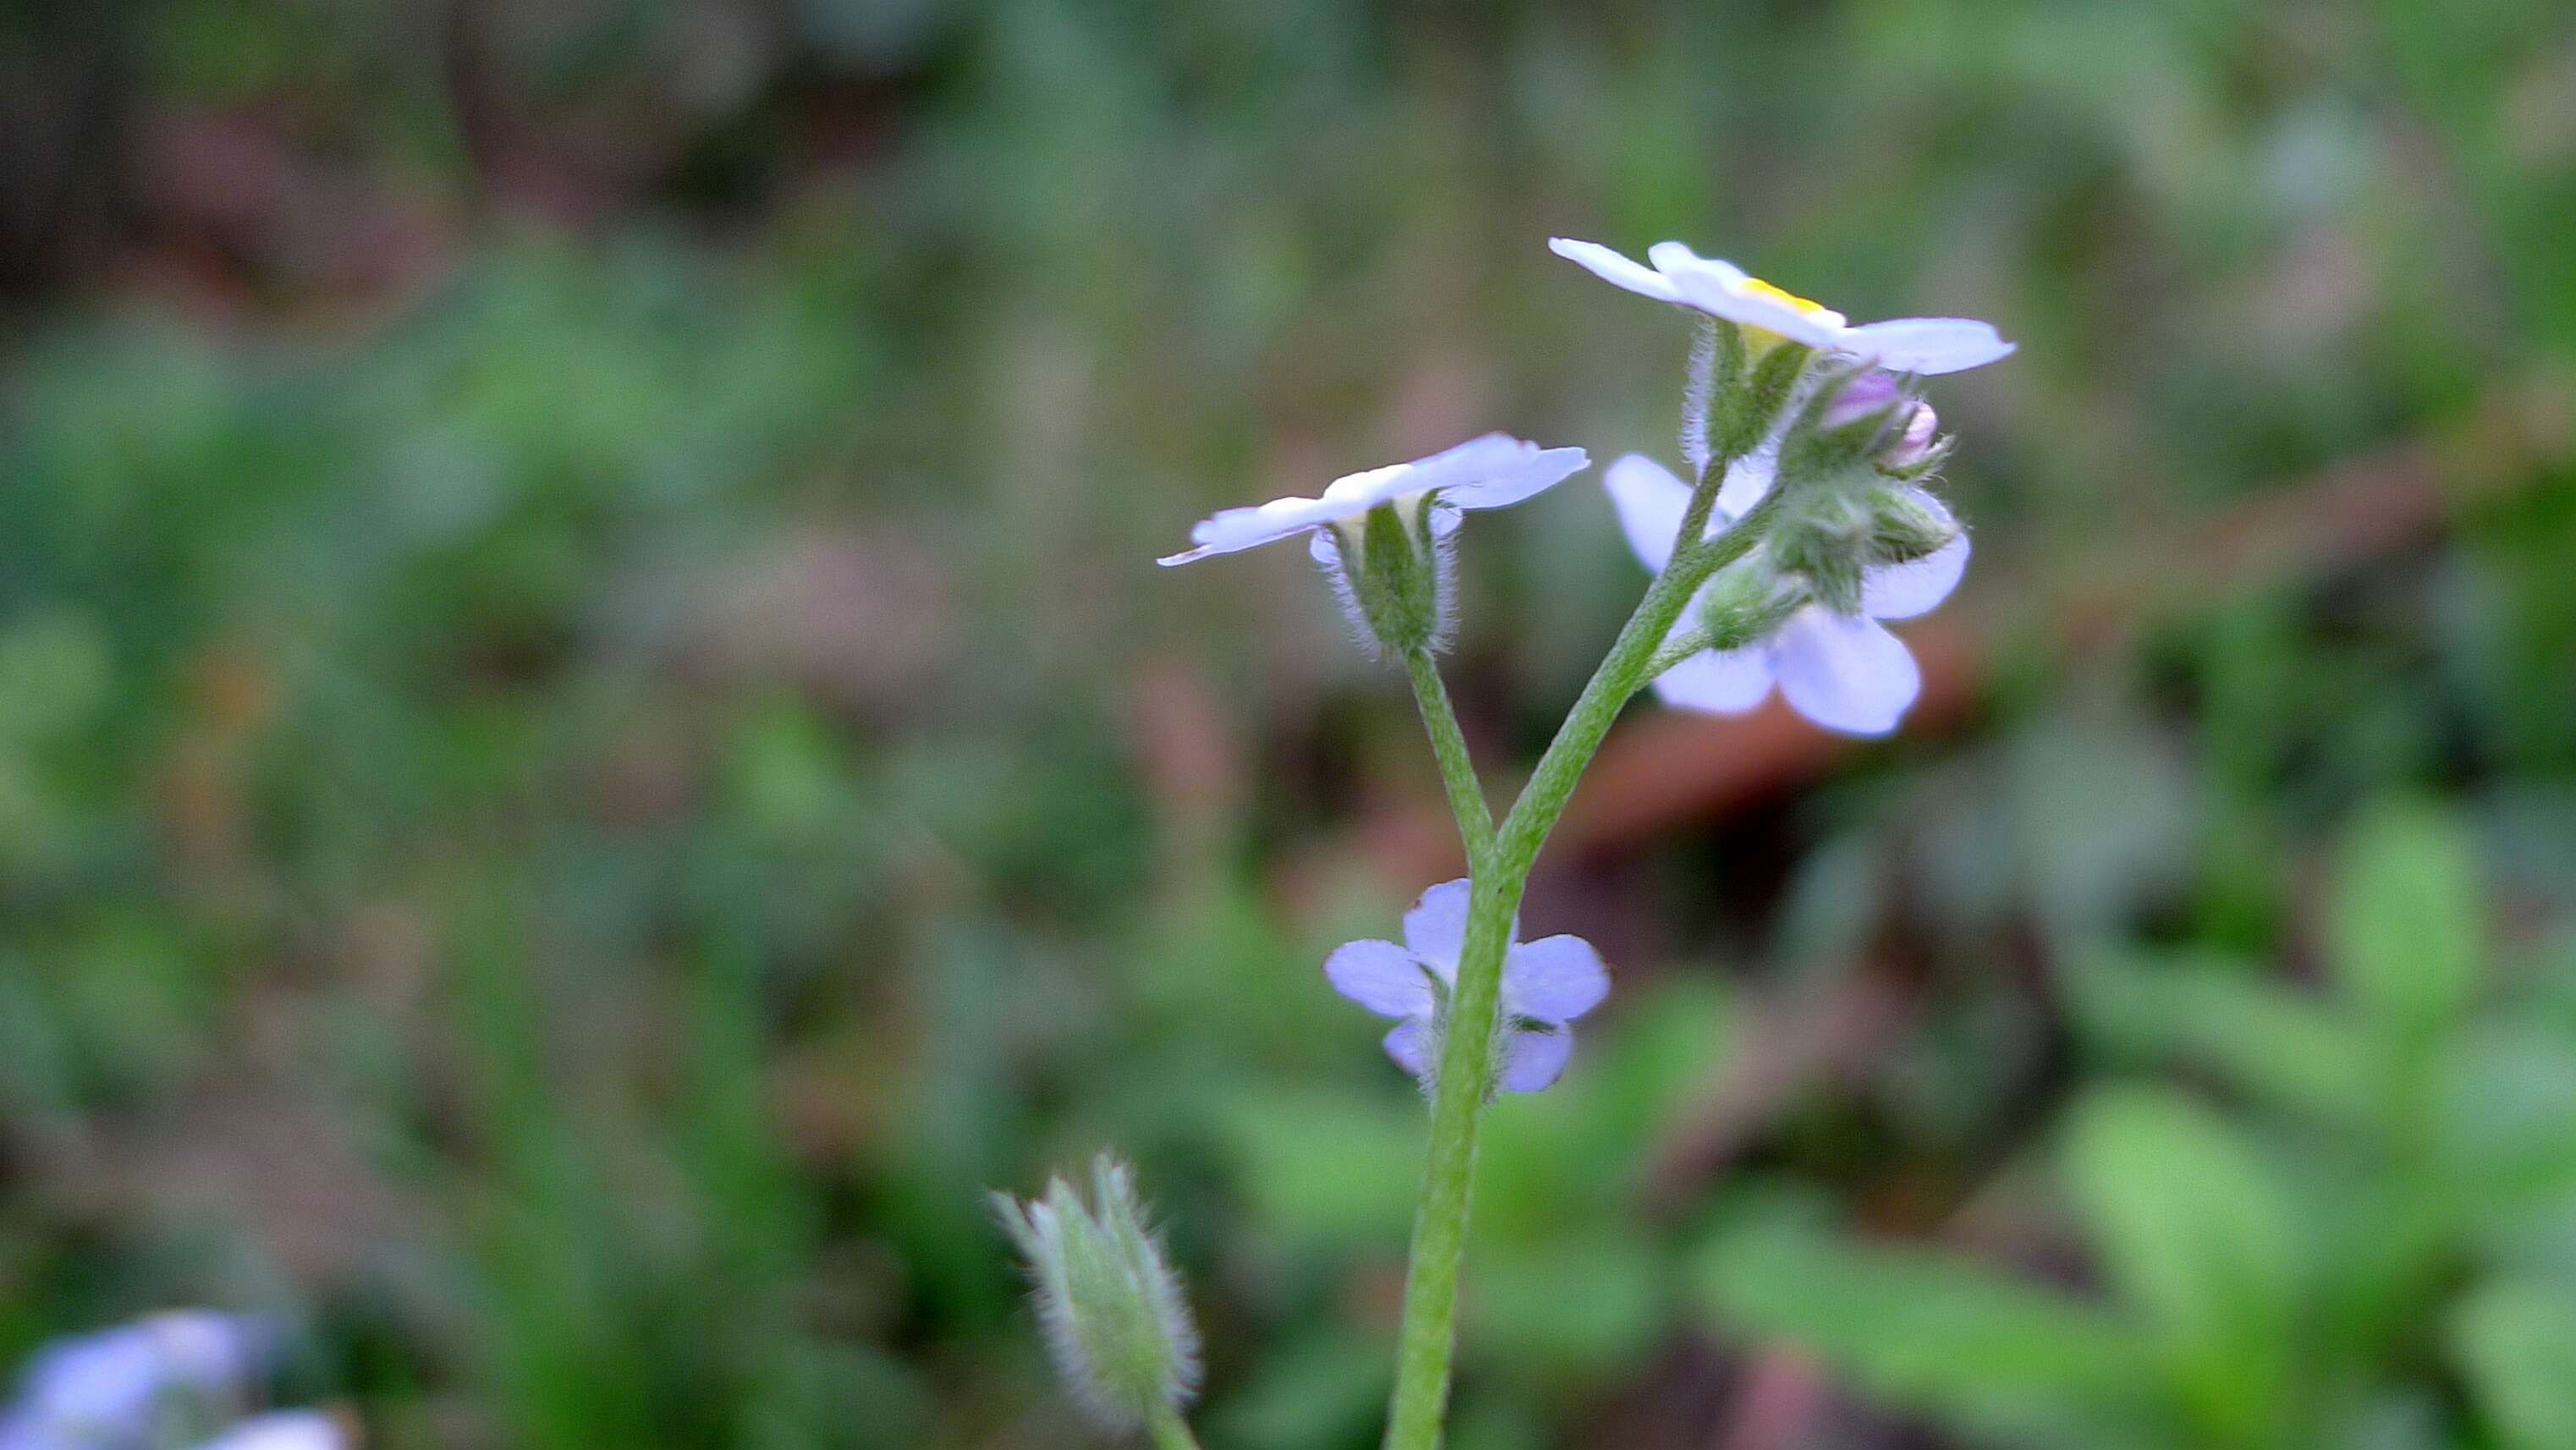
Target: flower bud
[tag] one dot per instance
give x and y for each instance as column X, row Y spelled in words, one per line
column 1391, row 568
column 1903, row 528
column 1865, row 396
column 1116, row 1324
column 1913, row 447
column 1746, row 601
column 1873, row 415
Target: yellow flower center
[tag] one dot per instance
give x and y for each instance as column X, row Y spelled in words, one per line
column 1761, row 288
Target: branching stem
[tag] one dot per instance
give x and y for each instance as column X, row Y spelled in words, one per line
column 1465, row 1080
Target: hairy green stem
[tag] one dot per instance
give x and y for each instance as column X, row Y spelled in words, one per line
column 1169, row 1430
column 1457, row 769
column 1465, row 1080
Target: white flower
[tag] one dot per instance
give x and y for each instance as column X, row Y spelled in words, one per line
column 1546, row 984
column 1482, row 473
column 1722, row 289
column 285, row 1430
column 1845, row 672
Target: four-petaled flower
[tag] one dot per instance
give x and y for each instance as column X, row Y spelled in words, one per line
column 1546, row 984
column 1481, row 473
column 1845, row 672
column 1722, row 289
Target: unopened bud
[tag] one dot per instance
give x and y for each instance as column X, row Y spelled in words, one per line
column 1913, row 447
column 1116, row 1324
column 1746, row 602
column 1904, row 527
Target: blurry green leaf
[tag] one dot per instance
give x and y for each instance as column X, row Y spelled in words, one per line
column 2282, row 1047
column 1318, row 1163
column 55, row 671
column 1326, row 1386
column 1576, row 1306
column 2505, row 1114
column 2193, row 1230
column 1559, row 1161
column 1925, row 1328
column 2406, row 918
column 2516, row 1344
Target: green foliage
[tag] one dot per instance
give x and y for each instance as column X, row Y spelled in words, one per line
column 2345, row 1225
column 589, row 753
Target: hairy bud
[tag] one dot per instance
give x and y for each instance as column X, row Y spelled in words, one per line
column 1116, row 1323
column 1746, row 601
column 1903, row 527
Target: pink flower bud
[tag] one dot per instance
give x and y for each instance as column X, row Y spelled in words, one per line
column 1915, row 444
column 1871, row 393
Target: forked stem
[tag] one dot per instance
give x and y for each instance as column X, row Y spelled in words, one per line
column 1427, row 1338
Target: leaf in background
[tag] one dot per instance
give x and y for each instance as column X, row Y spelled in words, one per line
column 2407, row 937
column 1322, row 1163
column 2279, row 1046
column 1325, row 1386
column 2516, row 1344
column 1576, row 1308
column 1928, row 1329
column 2192, row 1229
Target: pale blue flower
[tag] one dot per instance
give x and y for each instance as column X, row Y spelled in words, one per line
column 133, row 1385
column 1546, row 985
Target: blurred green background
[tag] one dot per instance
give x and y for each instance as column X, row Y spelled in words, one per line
column 591, row 749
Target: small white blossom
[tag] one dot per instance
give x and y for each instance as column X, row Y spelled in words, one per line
column 1721, row 289
column 1482, row 473
column 285, row 1430
column 1546, row 984
column 1845, row 672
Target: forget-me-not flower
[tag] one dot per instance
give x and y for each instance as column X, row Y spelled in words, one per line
column 1721, row 289
column 1843, row 671
column 130, row 1385
column 1546, row 984
column 1482, row 473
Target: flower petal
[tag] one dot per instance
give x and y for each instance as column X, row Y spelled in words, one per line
column 1928, row 344
column 1408, row 1044
column 1534, row 1059
column 1917, row 586
column 1437, row 926
column 1536, row 470
column 1723, row 289
column 1554, row 979
column 1381, row 976
column 1229, row 531
column 1747, row 479
column 1651, row 502
column 1615, row 269
column 1720, row 683
column 1844, row 673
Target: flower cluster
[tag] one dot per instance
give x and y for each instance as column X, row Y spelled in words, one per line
column 1859, row 542
column 1816, row 442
